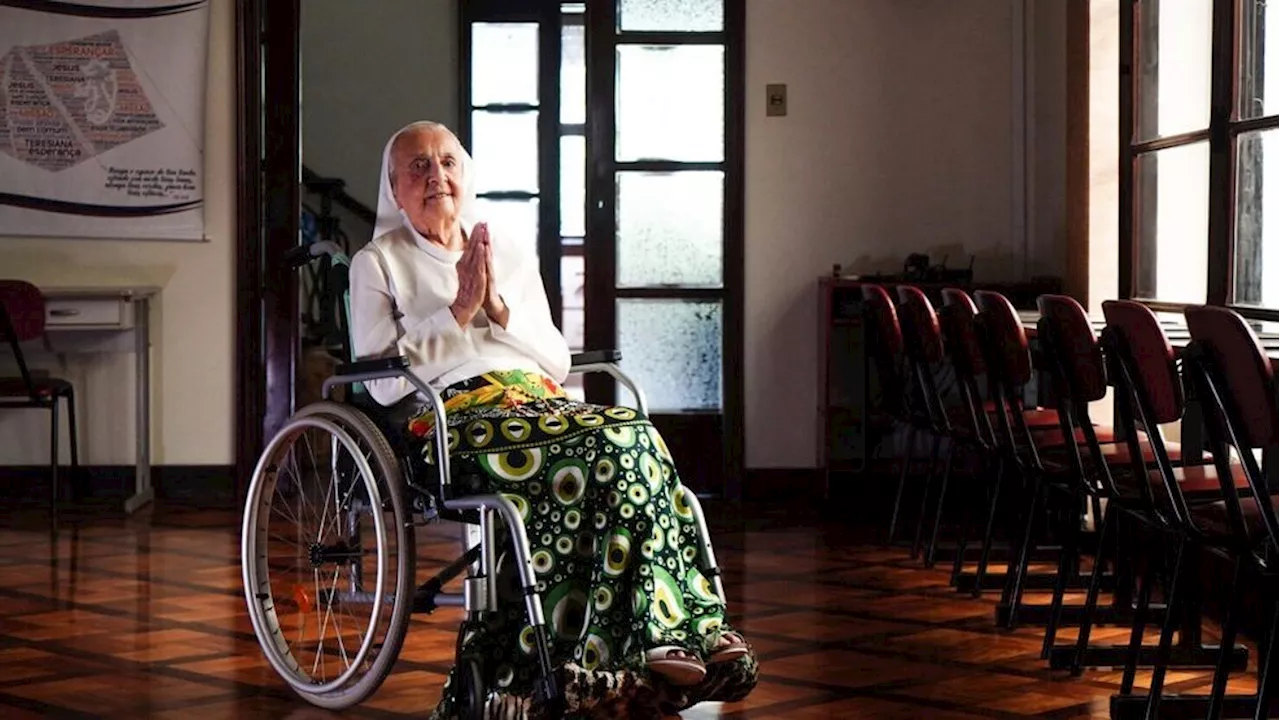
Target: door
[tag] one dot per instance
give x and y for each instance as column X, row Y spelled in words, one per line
column 664, row 247
column 611, row 134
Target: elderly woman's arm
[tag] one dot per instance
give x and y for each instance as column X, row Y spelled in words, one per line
column 433, row 344
column 529, row 326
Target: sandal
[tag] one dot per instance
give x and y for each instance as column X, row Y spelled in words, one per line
column 679, row 666
column 729, row 647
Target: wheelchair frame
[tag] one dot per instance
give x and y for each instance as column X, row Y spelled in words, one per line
column 479, row 593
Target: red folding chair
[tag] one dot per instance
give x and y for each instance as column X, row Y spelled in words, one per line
column 22, row 318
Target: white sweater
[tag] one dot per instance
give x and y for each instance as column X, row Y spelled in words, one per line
column 401, row 289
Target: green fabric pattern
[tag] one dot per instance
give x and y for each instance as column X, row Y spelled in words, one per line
column 614, row 545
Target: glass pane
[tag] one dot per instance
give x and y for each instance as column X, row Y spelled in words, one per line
column 678, row 15
column 672, row 349
column 1173, row 223
column 1259, row 60
column 573, row 75
column 1174, row 58
column 572, row 287
column 670, row 228
column 516, row 220
column 670, row 103
column 504, row 63
column 1257, row 246
column 573, row 185
column 505, row 148
column 573, row 281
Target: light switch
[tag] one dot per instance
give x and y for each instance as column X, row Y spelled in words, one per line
column 775, row 99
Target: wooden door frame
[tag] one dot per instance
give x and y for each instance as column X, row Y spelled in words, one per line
column 268, row 175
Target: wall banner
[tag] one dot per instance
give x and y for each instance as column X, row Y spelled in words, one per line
column 102, row 118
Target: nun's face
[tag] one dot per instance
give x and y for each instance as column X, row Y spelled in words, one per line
column 426, row 180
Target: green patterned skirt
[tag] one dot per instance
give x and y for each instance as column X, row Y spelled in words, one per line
column 614, row 544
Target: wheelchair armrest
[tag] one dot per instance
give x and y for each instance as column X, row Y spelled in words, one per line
column 383, row 367
column 595, row 357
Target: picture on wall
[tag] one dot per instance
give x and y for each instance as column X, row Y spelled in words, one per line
column 102, row 118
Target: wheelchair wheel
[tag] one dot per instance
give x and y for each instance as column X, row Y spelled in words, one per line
column 472, row 693
column 328, row 555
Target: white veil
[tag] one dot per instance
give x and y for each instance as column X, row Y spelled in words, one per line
column 390, row 216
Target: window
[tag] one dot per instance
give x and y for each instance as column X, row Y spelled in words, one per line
column 1199, row 220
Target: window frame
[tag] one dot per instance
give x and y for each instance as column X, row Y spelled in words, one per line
column 1225, row 127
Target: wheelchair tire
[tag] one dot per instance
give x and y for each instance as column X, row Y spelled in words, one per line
column 472, row 692
column 381, row 485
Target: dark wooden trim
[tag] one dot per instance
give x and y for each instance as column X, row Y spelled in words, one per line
column 1078, row 190
column 671, row 166
column 269, row 166
column 633, row 37
column 735, row 405
column 1127, row 99
column 250, row 386
column 1268, row 122
column 281, row 201
column 466, row 15
column 1170, row 141
column 505, row 10
column 105, row 487
column 1251, row 312
column 1222, row 153
column 675, row 293
column 510, row 194
column 507, row 108
column 600, row 318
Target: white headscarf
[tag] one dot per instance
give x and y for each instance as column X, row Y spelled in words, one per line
column 390, row 216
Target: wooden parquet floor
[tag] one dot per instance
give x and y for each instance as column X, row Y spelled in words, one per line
column 144, row 617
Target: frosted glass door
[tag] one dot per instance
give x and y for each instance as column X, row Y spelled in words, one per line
column 663, row 270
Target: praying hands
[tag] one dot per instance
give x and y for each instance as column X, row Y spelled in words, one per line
column 477, row 282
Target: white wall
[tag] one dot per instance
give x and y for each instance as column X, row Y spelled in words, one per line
column 193, row 408
column 368, row 69
column 900, row 137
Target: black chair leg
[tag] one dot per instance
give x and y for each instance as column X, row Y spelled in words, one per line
column 1068, row 567
column 53, row 456
column 1267, row 669
column 924, row 496
column 1021, row 560
column 1219, row 691
column 77, row 481
column 1138, row 630
column 932, row 549
column 987, row 538
column 966, row 517
column 1095, row 583
column 1172, row 616
column 902, row 483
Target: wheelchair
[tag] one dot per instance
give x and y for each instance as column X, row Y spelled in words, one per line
column 334, row 631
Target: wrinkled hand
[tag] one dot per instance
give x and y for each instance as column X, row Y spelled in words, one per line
column 494, row 306
column 473, row 281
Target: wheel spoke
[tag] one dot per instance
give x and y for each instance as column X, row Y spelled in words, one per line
column 361, row 610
